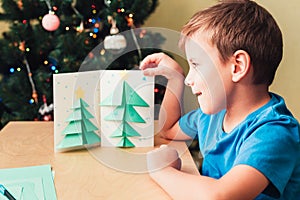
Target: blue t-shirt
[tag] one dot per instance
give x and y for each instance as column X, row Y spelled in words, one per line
column 268, row 140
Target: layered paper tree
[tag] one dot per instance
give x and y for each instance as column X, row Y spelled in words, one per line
column 80, row 131
column 124, row 114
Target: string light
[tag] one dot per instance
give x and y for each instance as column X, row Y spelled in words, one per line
column 53, row 68
column 91, row 55
column 96, row 30
column 80, row 28
column 102, row 52
column 119, row 10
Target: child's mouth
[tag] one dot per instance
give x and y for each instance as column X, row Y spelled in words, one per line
column 198, row 94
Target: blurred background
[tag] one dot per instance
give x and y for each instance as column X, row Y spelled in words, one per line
column 90, row 23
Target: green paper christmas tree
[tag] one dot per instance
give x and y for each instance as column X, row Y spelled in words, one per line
column 125, row 112
column 80, row 130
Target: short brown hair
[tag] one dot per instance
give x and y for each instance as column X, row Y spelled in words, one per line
column 241, row 25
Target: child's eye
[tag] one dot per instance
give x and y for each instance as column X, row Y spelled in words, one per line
column 194, row 65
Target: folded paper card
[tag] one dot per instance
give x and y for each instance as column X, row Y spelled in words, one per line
column 75, row 106
column 127, row 109
column 111, row 107
column 29, row 183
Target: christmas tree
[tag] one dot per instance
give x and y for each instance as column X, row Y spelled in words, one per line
column 80, row 130
column 47, row 37
column 125, row 113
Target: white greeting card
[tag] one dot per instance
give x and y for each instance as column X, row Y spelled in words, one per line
column 127, row 109
column 76, row 110
column 111, row 107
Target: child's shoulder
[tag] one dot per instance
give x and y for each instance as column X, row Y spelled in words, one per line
column 275, row 109
column 274, row 117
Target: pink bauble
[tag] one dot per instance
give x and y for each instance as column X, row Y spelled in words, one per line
column 50, row 22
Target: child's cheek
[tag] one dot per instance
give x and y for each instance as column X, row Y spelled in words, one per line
column 213, row 98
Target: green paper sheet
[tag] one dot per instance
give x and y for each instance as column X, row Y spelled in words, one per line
column 36, row 182
column 15, row 190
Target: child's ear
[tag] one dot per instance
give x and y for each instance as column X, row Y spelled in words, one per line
column 240, row 66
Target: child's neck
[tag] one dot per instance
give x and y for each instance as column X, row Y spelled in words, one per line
column 242, row 104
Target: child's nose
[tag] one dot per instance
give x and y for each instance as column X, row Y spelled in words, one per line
column 188, row 80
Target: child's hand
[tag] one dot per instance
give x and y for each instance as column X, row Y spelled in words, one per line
column 164, row 156
column 161, row 64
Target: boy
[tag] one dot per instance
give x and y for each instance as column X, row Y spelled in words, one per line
column 249, row 140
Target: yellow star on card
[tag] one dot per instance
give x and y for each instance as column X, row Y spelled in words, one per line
column 123, row 74
column 79, row 93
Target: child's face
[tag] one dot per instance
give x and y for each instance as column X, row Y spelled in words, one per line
column 208, row 77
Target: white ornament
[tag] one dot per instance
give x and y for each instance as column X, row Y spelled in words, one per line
column 114, row 30
column 115, row 43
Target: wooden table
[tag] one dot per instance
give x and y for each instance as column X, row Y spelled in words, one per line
column 78, row 174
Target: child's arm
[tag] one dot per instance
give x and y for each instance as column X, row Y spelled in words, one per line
column 171, row 108
column 241, row 182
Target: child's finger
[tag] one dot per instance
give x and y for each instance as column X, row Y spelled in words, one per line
column 152, row 72
column 150, row 60
column 148, row 65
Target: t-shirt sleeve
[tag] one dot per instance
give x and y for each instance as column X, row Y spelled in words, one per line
column 188, row 123
column 272, row 149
